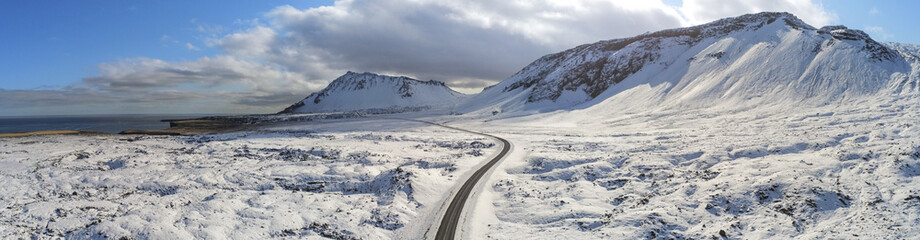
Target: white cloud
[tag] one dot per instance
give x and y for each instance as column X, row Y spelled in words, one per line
column 209, row 84
column 452, row 40
column 879, row 32
column 874, row 11
column 167, row 40
column 191, row 46
column 142, row 74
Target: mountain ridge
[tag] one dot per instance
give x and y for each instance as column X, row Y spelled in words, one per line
column 694, row 33
column 768, row 56
column 761, row 58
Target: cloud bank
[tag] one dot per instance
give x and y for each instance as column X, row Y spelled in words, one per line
column 468, row 44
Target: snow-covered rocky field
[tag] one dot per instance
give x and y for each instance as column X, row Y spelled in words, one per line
column 838, row 171
column 844, row 171
column 359, row 180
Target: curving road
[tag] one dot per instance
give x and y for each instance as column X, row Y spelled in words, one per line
column 448, row 228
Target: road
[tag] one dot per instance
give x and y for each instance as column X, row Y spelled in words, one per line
column 448, row 228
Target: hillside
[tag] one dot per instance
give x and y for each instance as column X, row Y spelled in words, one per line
column 754, row 59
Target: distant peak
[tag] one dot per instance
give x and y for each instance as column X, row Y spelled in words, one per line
column 367, row 90
column 353, row 76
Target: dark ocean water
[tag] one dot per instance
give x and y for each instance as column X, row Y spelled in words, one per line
column 100, row 123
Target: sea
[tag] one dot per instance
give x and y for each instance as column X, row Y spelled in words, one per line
column 99, row 123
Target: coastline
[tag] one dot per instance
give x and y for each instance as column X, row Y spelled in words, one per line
column 51, row 132
column 209, row 125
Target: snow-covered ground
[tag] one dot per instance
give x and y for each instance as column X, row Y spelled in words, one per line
column 836, row 171
column 358, row 180
column 842, row 171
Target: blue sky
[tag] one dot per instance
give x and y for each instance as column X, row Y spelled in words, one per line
column 896, row 19
column 95, row 56
column 55, row 43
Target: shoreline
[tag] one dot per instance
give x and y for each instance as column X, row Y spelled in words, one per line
column 206, row 125
column 210, row 125
column 177, row 127
column 51, row 132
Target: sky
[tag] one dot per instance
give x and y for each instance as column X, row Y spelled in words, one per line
column 234, row 57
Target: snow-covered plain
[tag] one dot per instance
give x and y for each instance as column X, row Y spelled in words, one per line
column 833, row 171
column 335, row 180
column 837, row 171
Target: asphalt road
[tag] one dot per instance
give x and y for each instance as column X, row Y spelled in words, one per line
column 448, row 228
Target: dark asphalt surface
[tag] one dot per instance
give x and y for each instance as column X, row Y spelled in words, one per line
column 448, row 228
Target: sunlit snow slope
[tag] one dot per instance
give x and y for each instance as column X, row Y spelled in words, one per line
column 750, row 60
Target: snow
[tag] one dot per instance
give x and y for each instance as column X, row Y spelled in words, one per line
column 762, row 63
column 755, row 127
column 339, row 182
column 836, row 171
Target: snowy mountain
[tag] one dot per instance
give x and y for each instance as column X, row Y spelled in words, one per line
column 372, row 92
column 754, row 59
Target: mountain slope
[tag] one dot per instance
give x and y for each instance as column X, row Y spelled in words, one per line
column 754, row 59
column 373, row 92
